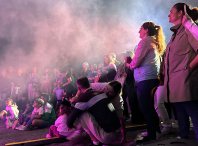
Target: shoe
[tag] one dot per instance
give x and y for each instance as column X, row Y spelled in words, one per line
column 178, row 137
column 48, row 136
column 73, row 135
column 23, row 128
column 145, row 139
column 158, row 135
column 166, row 130
column 18, row 127
column 144, row 134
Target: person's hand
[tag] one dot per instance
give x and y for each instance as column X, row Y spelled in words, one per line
column 71, row 100
column 186, row 17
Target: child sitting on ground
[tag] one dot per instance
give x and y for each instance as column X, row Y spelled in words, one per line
column 26, row 113
column 60, row 128
column 10, row 114
column 36, row 114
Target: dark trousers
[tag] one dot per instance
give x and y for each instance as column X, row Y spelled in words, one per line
column 184, row 110
column 171, row 110
column 146, row 103
column 137, row 115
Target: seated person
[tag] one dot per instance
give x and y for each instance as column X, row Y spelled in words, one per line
column 60, row 128
column 10, row 114
column 26, row 113
column 49, row 116
column 21, row 103
column 36, row 114
column 101, row 122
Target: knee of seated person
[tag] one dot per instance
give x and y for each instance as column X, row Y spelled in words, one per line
column 33, row 122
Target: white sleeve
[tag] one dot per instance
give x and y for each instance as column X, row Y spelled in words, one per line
column 100, row 86
column 41, row 112
column 193, row 28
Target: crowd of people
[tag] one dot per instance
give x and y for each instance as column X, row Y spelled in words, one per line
column 156, row 84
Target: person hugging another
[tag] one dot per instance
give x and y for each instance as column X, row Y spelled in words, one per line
column 49, row 116
column 36, row 114
column 10, row 114
column 60, row 128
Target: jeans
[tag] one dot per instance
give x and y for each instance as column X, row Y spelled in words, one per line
column 146, row 103
column 29, row 120
column 160, row 107
column 184, row 110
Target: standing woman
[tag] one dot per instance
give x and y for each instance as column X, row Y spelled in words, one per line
column 32, row 84
column 109, row 69
column 68, row 83
column 146, row 68
column 181, row 70
column 46, row 82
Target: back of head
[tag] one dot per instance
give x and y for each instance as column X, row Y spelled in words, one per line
column 116, row 86
column 130, row 54
column 128, row 59
column 193, row 13
column 83, row 82
column 66, row 103
column 156, row 32
column 113, row 55
column 39, row 101
column 46, row 97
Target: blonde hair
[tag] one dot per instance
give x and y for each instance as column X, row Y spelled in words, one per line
column 156, row 32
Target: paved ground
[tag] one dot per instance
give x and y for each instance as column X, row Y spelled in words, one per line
column 10, row 136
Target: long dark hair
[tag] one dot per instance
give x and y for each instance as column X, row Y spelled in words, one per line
column 193, row 13
column 109, row 60
column 156, row 32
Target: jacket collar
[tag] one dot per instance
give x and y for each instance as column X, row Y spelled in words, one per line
column 177, row 28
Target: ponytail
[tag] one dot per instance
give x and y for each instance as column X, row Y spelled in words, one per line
column 160, row 39
column 156, row 32
column 193, row 13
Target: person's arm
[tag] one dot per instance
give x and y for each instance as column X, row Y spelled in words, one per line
column 72, row 117
column 69, row 81
column 194, row 43
column 41, row 112
column 123, row 130
column 36, row 116
column 188, row 24
column 192, row 28
column 99, row 86
column 75, row 98
column 140, row 54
